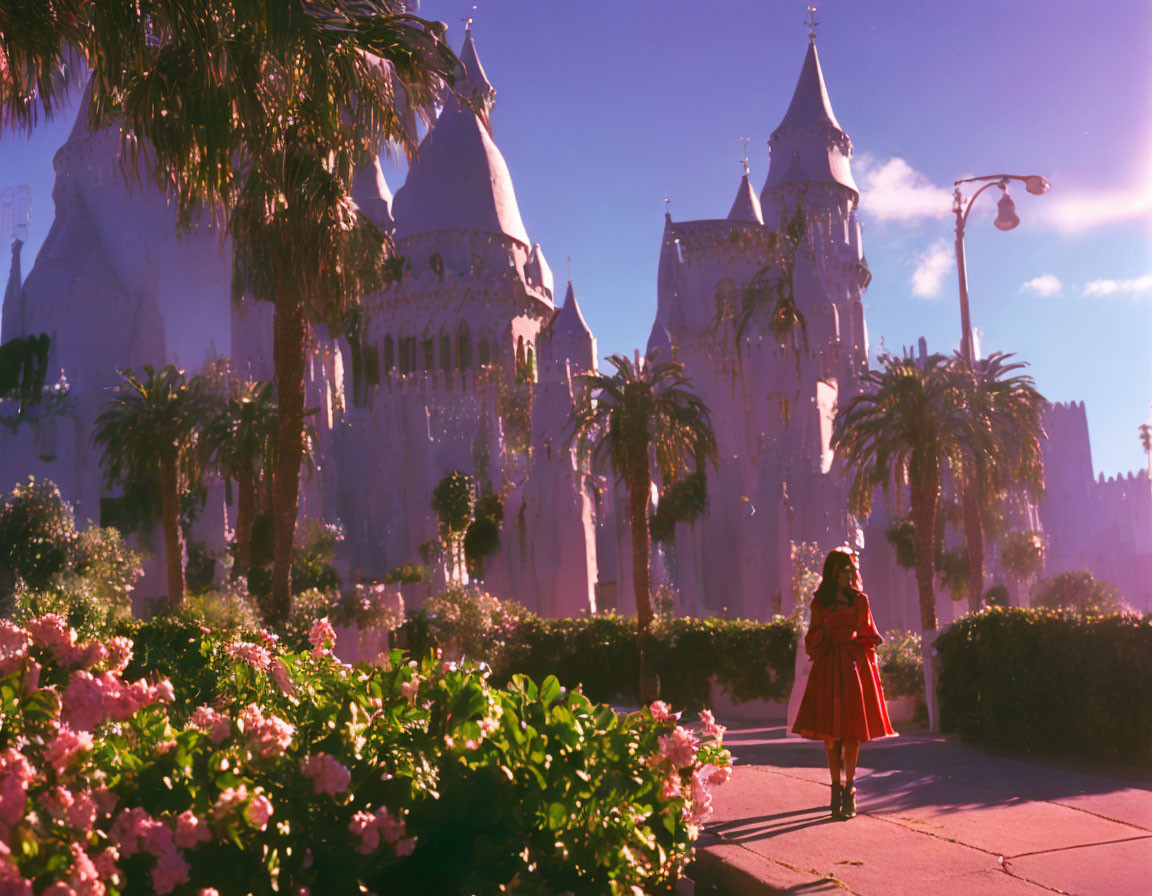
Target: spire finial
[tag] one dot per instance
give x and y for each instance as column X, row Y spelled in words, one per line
column 467, row 20
column 745, row 140
column 569, row 268
column 667, row 206
column 811, row 23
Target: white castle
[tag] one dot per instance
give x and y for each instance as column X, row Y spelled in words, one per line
column 416, row 391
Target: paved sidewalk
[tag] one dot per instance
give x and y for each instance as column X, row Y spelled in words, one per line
column 937, row 816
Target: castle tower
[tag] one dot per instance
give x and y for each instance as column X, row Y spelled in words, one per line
column 449, row 351
column 773, row 395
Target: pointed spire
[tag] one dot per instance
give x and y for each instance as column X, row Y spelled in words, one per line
column 809, row 144
column 746, row 206
column 571, row 337
column 12, row 324
column 537, row 271
column 810, row 103
column 472, row 82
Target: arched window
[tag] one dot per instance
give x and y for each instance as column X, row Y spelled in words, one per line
column 429, row 353
column 484, row 352
column 463, row 346
column 530, row 366
column 389, row 354
column 445, row 352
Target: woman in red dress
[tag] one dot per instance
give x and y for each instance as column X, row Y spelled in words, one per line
column 843, row 704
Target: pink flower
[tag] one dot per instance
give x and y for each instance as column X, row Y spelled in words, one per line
column 327, row 774
column 52, row 632
column 106, row 863
column 716, row 774
column 701, row 799
column 85, row 699
column 215, row 724
column 410, row 687
column 88, row 654
column 253, row 654
column 119, row 653
column 191, row 830
column 83, row 812
column 259, row 811
column 281, row 677
column 171, row 870
column 57, row 801
column 269, row 736
column 59, row 889
column 209, row 891
column 16, row 773
column 709, row 730
column 85, row 877
column 65, row 746
column 363, row 824
column 679, row 747
column 228, row 800
column 322, row 637
column 162, row 692
column 662, row 712
column 670, row 789
column 14, row 641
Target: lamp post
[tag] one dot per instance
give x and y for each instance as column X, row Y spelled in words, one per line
column 1006, row 219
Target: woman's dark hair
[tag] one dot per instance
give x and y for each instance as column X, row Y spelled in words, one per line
column 837, row 559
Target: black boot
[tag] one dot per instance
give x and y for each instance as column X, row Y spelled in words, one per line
column 837, row 801
column 848, row 802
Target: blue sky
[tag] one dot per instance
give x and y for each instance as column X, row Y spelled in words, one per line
column 604, row 109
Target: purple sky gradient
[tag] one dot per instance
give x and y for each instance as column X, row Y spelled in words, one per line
column 604, row 109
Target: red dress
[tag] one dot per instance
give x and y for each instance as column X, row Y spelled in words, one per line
column 843, row 697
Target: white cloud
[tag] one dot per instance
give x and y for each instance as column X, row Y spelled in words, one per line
column 1135, row 286
column 1075, row 213
column 893, row 190
column 1044, row 285
column 931, row 268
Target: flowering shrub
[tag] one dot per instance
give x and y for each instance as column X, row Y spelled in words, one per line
column 305, row 775
column 370, row 606
column 37, row 528
column 468, row 622
column 901, row 664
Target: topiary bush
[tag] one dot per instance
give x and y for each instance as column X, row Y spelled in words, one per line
column 1050, row 681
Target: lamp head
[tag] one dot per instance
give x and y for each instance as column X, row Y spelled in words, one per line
column 1036, row 185
column 1006, row 217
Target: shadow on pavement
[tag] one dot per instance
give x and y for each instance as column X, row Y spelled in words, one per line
column 918, row 769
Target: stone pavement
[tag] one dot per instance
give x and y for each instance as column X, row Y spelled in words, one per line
column 937, row 816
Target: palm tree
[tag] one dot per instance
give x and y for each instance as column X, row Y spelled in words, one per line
column 1005, row 428
column 148, row 431
column 1145, row 430
column 904, row 427
column 645, row 411
column 240, row 439
column 257, row 113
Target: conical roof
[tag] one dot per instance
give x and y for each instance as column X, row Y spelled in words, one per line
column 537, row 269
column 746, row 206
column 809, row 144
column 570, row 323
column 473, row 82
column 459, row 181
column 810, row 103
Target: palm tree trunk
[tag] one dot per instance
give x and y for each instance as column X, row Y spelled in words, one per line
column 173, row 535
column 924, row 500
column 245, row 514
column 639, row 491
column 925, row 496
column 289, row 352
column 974, row 538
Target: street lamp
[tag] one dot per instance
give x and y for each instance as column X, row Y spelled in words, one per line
column 1006, row 219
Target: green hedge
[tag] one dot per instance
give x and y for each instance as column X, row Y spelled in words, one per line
column 750, row 660
column 1050, row 681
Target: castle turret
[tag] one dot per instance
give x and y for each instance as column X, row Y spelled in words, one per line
column 537, row 271
column 746, row 206
column 570, row 338
column 808, row 147
column 372, row 196
column 472, row 82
